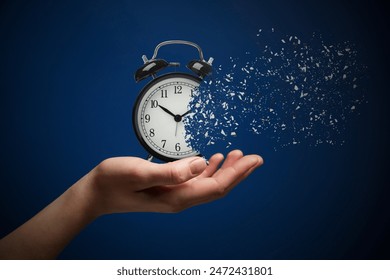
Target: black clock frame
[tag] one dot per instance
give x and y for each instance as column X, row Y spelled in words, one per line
column 136, row 107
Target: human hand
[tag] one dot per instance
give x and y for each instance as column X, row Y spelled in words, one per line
column 129, row 184
column 125, row 184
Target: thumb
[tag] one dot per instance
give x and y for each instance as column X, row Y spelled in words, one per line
column 177, row 172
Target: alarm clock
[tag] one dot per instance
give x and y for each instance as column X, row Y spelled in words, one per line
column 163, row 104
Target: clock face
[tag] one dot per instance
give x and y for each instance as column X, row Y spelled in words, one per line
column 159, row 113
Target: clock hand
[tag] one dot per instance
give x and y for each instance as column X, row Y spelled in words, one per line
column 166, row 110
column 178, row 118
column 186, row 113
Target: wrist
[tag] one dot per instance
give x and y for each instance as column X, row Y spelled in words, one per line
column 83, row 195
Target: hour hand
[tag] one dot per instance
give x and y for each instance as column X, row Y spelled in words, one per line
column 166, row 110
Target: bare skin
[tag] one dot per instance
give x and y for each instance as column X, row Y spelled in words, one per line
column 126, row 184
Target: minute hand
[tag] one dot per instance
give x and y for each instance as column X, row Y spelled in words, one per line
column 166, row 110
column 186, row 113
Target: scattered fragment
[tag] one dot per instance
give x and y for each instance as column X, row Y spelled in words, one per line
column 293, row 91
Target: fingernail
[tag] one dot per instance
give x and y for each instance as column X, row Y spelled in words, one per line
column 197, row 165
column 256, row 160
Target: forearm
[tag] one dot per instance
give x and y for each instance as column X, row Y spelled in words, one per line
column 47, row 233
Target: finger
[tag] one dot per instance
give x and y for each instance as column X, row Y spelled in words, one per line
column 231, row 158
column 176, row 172
column 245, row 175
column 227, row 176
column 211, row 188
column 214, row 162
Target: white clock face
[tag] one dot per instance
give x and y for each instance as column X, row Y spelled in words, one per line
column 159, row 115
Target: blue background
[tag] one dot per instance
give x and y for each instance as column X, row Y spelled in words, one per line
column 67, row 91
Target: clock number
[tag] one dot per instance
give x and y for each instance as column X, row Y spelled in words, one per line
column 178, row 89
column 153, row 103
column 164, row 142
column 147, row 118
column 151, row 132
column 177, row 147
column 164, row 93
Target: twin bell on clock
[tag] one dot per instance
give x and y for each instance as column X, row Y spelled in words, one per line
column 163, row 104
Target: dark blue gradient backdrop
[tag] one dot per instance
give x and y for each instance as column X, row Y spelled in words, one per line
column 67, row 92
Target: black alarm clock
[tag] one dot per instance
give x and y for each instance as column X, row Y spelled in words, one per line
column 162, row 104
